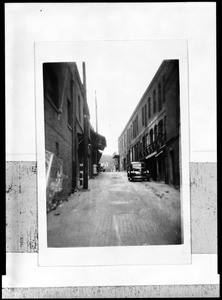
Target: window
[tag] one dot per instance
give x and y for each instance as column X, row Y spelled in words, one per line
column 151, row 136
column 134, row 128
column 149, row 108
column 128, row 135
column 147, row 139
column 159, row 97
column 155, row 132
column 160, row 125
column 50, row 84
column 145, row 113
column 163, row 87
column 137, row 125
column 154, row 101
column 144, row 142
column 142, row 116
column 69, row 112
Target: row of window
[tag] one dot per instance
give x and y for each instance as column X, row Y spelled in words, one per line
column 148, row 110
column 51, row 91
column 149, row 137
column 153, row 104
column 154, row 133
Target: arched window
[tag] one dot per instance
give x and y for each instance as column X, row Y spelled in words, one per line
column 151, row 136
column 160, row 129
column 155, row 132
column 154, row 101
column 144, row 142
column 159, row 97
column 145, row 115
column 149, row 107
column 163, row 87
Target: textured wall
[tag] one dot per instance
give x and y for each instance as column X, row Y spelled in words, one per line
column 22, row 234
column 164, row 291
column 21, row 207
column 203, row 178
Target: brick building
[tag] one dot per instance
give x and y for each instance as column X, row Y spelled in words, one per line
column 68, row 133
column 152, row 133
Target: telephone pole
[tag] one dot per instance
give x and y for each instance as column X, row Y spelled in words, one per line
column 96, row 156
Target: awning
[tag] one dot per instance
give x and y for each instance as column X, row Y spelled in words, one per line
column 159, row 153
column 152, row 154
column 97, row 140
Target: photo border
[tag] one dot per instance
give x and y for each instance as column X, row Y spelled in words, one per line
column 121, row 255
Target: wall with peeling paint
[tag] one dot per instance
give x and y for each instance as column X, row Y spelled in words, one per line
column 22, row 233
column 166, row 291
column 21, row 207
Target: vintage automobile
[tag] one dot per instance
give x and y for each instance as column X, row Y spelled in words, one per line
column 137, row 170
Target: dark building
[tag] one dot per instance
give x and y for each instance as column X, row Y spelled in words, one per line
column 152, row 134
column 68, row 133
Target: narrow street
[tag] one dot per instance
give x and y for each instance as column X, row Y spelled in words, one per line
column 116, row 212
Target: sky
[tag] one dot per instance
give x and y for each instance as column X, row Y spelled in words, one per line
column 119, row 73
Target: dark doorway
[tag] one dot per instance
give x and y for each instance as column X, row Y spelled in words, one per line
column 151, row 166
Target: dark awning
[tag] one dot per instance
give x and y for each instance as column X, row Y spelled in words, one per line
column 97, row 140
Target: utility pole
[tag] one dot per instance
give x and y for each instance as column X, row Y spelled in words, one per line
column 96, row 154
column 86, row 133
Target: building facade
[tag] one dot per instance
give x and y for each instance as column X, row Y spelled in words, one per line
column 68, row 133
column 152, row 134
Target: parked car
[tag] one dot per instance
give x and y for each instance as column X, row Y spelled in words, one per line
column 137, row 170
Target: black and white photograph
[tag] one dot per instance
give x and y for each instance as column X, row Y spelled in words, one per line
column 112, row 144
column 127, row 197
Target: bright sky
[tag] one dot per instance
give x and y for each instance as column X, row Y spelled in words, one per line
column 119, row 72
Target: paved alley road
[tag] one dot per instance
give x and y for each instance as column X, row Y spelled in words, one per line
column 116, row 212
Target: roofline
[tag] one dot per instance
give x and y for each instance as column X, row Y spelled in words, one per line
column 163, row 64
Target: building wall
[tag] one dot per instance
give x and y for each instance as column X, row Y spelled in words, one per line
column 66, row 129
column 173, row 124
column 64, row 122
column 136, row 137
column 57, row 130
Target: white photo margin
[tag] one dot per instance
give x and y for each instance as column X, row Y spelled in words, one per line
column 122, row 255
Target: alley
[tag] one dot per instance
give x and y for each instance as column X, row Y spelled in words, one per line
column 116, row 212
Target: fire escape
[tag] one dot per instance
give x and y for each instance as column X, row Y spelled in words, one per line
column 153, row 148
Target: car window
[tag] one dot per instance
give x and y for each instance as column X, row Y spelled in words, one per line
column 138, row 166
